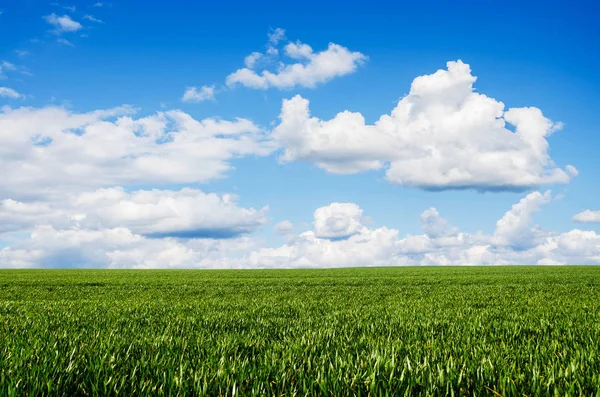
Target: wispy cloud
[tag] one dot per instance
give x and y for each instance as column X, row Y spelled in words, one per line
column 6, row 67
column 10, row 93
column 99, row 5
column 68, row 8
column 92, row 18
column 63, row 23
column 21, row 53
column 65, row 42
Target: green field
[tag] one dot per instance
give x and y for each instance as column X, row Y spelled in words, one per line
column 382, row 331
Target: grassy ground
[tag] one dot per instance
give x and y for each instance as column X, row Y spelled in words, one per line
column 397, row 331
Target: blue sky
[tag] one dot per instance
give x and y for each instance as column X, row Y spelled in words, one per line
column 87, row 56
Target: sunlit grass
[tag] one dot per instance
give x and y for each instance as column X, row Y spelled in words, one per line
column 398, row 331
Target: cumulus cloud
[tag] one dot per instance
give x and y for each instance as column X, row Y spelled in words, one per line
column 310, row 69
column 193, row 94
column 50, row 150
column 62, row 23
column 442, row 135
column 338, row 221
column 587, row 216
column 10, row 93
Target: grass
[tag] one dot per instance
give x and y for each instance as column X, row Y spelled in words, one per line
column 384, row 331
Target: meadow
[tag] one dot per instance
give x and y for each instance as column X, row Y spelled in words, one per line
column 501, row 331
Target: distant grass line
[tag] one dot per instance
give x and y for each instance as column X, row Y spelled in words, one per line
column 498, row 331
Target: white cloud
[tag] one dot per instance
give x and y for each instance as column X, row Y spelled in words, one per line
column 251, row 60
column 436, row 226
column 441, row 244
column 98, row 4
column 63, row 23
column 298, row 50
column 60, row 169
column 338, row 220
column 68, row 8
column 21, row 53
column 188, row 213
column 193, row 94
column 62, row 41
column 92, row 18
column 118, row 248
column 345, row 241
column 513, row 229
column 442, row 135
column 587, row 216
column 10, row 93
column 318, row 68
column 309, row 70
column 48, row 150
column 284, row 227
column 276, row 35
column 6, row 66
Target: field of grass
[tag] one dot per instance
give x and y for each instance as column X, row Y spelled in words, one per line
column 394, row 331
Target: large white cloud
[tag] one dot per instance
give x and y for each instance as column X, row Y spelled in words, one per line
column 441, row 135
column 440, row 244
column 44, row 150
column 155, row 213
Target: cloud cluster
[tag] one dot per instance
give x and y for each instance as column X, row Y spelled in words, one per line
column 62, row 173
column 440, row 244
column 340, row 238
column 442, row 135
column 268, row 70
